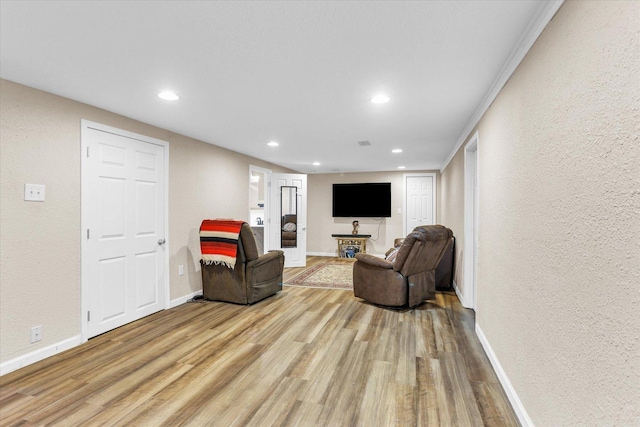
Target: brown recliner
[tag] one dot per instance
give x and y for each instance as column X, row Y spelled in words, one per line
column 444, row 270
column 252, row 279
column 289, row 235
column 409, row 279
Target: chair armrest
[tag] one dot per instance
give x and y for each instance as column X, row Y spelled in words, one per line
column 265, row 259
column 374, row 261
column 265, row 271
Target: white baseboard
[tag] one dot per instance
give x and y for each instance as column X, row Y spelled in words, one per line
column 455, row 288
column 179, row 301
column 332, row 254
column 463, row 300
column 52, row 350
column 517, row 405
column 335, row 254
column 38, row 355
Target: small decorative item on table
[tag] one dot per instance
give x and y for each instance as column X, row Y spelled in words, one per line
column 349, row 245
column 351, row 251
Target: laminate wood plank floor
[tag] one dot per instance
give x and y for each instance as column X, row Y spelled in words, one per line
column 305, row 357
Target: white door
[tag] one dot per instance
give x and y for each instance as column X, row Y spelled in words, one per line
column 123, row 212
column 419, row 200
column 289, row 197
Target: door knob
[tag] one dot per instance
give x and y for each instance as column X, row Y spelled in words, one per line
column 161, row 242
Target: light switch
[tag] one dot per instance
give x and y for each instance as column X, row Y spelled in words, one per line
column 399, row 210
column 34, row 192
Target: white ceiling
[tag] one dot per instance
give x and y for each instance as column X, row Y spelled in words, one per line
column 301, row 73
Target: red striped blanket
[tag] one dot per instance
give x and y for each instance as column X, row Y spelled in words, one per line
column 219, row 241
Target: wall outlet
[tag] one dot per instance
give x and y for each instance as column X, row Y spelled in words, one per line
column 34, row 192
column 36, row 334
column 181, row 270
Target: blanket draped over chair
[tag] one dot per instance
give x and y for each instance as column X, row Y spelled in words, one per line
column 219, row 241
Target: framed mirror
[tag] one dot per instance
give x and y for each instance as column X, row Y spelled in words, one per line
column 289, row 216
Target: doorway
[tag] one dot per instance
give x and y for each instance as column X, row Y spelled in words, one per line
column 124, row 228
column 259, row 206
column 419, row 200
column 469, row 291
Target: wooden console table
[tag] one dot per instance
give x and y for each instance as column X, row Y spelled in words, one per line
column 351, row 244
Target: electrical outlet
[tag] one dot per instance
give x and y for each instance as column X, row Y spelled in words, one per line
column 34, row 192
column 36, row 334
column 181, row 270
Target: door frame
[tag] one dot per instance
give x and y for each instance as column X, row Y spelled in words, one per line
column 267, row 202
column 471, row 215
column 85, row 125
column 404, row 196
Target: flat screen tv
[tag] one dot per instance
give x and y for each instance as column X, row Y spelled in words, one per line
column 362, row 200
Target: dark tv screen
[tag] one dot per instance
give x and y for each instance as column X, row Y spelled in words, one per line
column 362, row 200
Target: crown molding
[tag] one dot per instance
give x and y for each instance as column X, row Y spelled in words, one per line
column 529, row 37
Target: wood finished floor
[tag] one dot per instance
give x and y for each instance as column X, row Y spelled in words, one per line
column 305, row 357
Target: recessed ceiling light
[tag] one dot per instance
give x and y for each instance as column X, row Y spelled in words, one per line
column 380, row 98
column 168, row 95
column 397, row 150
column 316, row 163
column 402, row 167
column 272, row 144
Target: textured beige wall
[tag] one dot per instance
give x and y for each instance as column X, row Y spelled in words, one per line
column 559, row 226
column 452, row 208
column 321, row 225
column 40, row 242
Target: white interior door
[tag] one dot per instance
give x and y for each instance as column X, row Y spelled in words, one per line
column 123, row 211
column 284, row 199
column 419, row 200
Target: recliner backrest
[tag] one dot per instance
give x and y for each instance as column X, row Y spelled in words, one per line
column 422, row 249
column 405, row 250
column 247, row 248
column 290, row 218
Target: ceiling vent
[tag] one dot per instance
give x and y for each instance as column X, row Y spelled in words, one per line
column 364, row 143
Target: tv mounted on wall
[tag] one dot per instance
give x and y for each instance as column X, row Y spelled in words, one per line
column 362, row 200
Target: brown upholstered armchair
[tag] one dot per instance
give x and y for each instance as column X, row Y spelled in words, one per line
column 252, row 279
column 408, row 279
column 444, row 270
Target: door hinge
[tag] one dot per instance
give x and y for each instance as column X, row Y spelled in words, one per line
column 87, row 234
column 87, row 151
column 88, row 316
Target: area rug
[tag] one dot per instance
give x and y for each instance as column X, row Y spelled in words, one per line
column 337, row 276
